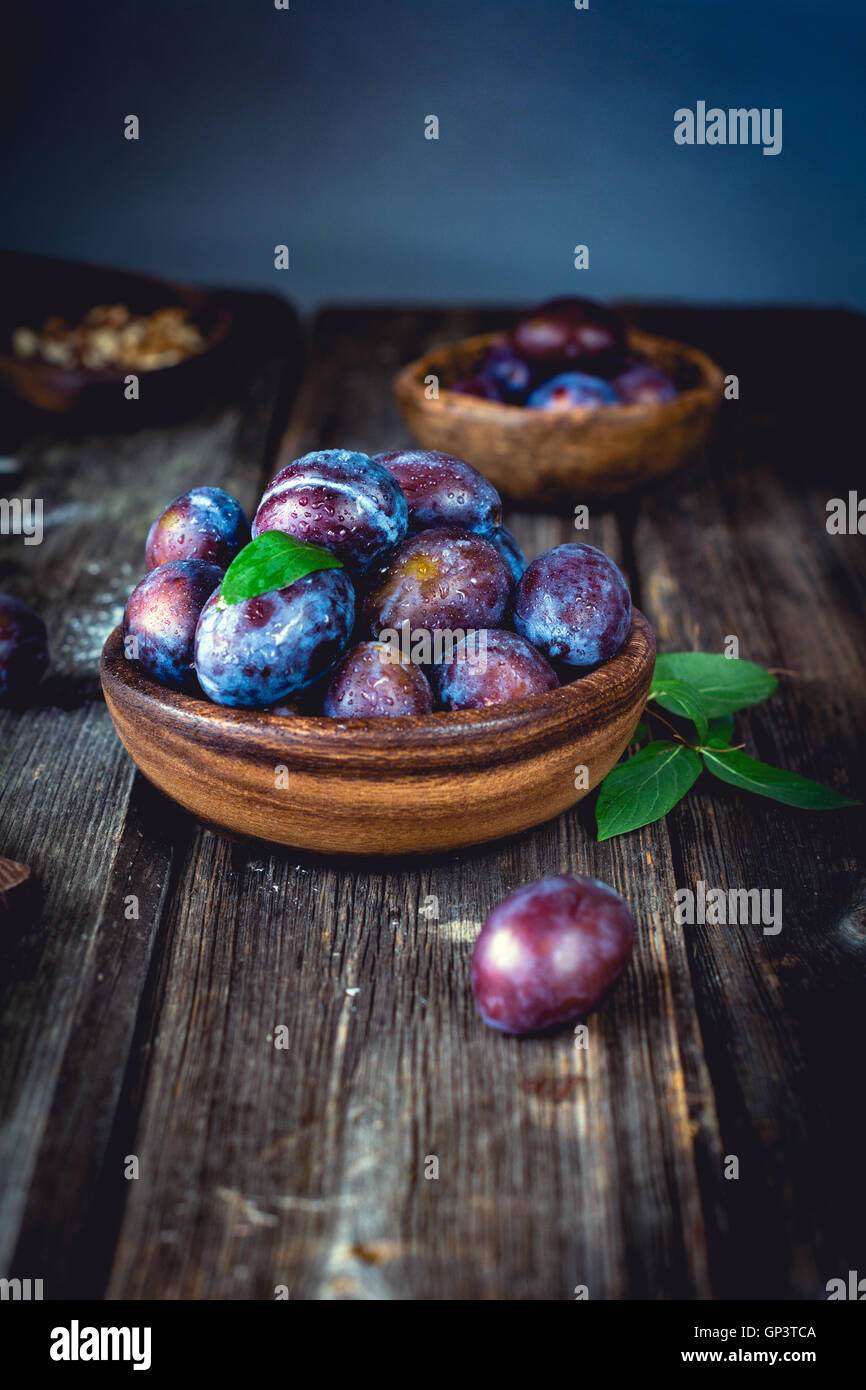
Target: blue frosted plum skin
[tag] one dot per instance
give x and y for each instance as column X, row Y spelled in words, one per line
column 162, row 613
column 572, row 390
column 341, row 500
column 506, row 668
column 548, row 953
column 510, row 551
column 202, row 524
column 573, row 604
column 255, row 653
column 23, row 649
column 442, row 490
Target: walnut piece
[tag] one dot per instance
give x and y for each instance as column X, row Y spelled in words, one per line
column 111, row 337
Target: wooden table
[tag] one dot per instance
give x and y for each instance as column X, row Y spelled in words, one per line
column 153, row 1035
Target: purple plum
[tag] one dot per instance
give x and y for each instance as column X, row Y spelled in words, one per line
column 478, row 386
column 203, row 524
column 644, row 385
column 510, row 551
column 161, row 615
column 23, row 649
column 340, row 500
column 571, row 332
column 573, row 604
column 492, row 668
column 549, row 951
column 443, row 579
column 442, row 490
column 370, row 683
column 507, row 372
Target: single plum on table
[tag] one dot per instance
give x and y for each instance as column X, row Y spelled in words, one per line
column 161, row 615
column 643, row 385
column 23, row 649
column 203, row 524
column 578, row 332
column 442, row 490
column 572, row 391
column 440, row 580
column 492, row 668
column 573, row 604
column 549, row 951
column 340, row 500
column 370, row 683
column 510, row 551
column 254, row 653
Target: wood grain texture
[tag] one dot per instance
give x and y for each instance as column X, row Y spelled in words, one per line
column 72, row 984
column 786, row 1002
column 550, row 456
column 558, row 1165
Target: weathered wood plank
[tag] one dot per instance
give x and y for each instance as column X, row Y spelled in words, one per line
column 778, row 1014
column 73, row 807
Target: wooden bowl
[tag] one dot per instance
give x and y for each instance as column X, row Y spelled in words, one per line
column 381, row 786
column 34, row 288
column 549, row 456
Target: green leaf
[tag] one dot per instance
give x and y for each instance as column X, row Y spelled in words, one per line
column 724, row 683
column 272, row 561
column 640, row 733
column 681, row 698
column 721, row 731
column 787, row 787
column 645, row 788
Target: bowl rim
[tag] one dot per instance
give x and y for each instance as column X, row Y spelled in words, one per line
column 409, row 380
column 443, row 738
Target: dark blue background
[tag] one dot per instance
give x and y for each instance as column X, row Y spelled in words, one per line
column 306, row 127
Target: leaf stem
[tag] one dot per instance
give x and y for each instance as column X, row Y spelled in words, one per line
column 669, row 726
column 695, row 747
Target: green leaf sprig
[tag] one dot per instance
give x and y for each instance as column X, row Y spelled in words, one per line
column 272, row 561
column 707, row 689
